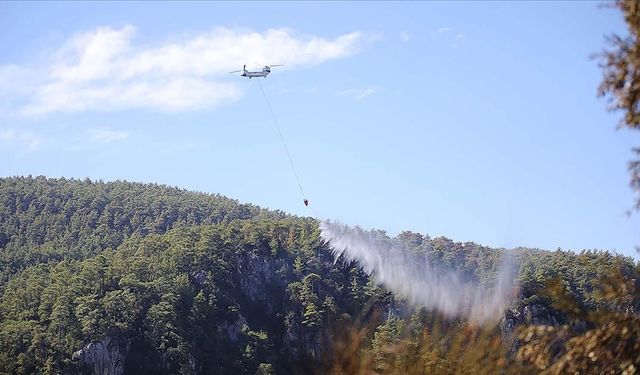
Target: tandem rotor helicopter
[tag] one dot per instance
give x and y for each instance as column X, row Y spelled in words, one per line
column 263, row 74
column 259, row 73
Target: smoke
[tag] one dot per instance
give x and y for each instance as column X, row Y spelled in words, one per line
column 421, row 282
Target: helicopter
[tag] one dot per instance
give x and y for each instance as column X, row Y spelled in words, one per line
column 260, row 73
column 264, row 73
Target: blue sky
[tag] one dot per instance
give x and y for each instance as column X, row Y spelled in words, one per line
column 476, row 121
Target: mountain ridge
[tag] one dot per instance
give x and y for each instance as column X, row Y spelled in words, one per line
column 146, row 278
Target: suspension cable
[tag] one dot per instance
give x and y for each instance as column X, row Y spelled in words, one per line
column 284, row 144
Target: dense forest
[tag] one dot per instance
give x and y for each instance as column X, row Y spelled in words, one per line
column 120, row 277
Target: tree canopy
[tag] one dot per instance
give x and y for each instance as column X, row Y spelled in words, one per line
column 178, row 282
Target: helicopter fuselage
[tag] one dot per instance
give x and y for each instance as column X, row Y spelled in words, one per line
column 261, row 73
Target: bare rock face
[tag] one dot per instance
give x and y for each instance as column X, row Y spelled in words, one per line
column 529, row 315
column 234, row 330
column 105, row 357
column 257, row 271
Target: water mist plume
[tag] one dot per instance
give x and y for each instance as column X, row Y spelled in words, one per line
column 423, row 284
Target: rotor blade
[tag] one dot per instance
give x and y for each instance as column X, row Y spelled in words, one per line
column 235, row 71
column 260, row 64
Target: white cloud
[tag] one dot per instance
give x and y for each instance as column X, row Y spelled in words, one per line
column 405, row 36
column 366, row 92
column 459, row 38
column 104, row 70
column 105, row 135
column 25, row 140
column 449, row 33
column 360, row 94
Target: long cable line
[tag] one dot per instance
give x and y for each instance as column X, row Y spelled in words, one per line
column 284, row 144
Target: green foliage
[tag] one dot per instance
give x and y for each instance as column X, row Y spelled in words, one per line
column 194, row 283
column 621, row 77
column 44, row 220
column 387, row 335
column 265, row 369
column 604, row 341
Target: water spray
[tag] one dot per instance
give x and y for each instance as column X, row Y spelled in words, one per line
column 421, row 282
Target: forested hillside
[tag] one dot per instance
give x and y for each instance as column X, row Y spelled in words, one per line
column 141, row 278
